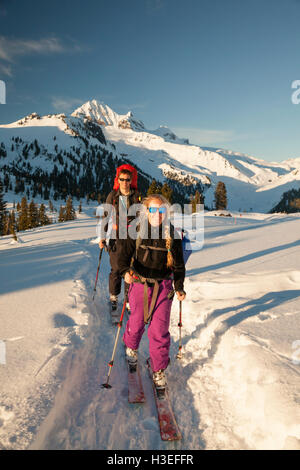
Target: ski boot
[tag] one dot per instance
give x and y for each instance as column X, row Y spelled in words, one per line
column 113, row 302
column 132, row 358
column 159, row 379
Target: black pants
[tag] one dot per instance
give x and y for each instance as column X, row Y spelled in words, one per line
column 115, row 278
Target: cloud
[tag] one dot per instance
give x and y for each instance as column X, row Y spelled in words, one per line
column 207, row 136
column 12, row 48
column 63, row 104
column 6, row 70
column 155, row 5
column 134, row 106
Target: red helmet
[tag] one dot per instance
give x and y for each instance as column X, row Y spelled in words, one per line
column 132, row 170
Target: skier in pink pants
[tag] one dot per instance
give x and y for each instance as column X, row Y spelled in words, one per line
column 152, row 264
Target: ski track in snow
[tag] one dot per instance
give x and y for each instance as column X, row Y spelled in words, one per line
column 236, row 386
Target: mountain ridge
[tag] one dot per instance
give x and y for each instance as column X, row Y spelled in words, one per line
column 95, row 129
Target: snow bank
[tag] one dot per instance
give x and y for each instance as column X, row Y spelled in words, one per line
column 237, row 386
column 245, row 348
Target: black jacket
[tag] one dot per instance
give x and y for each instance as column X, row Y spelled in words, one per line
column 113, row 199
column 153, row 263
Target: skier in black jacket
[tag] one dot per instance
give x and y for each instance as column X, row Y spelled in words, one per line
column 123, row 195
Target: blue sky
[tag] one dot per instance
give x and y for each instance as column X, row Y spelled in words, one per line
column 218, row 72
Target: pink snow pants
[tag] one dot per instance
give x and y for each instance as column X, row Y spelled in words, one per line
column 158, row 328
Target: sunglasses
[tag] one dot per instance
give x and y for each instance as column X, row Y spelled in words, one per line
column 153, row 210
column 125, row 179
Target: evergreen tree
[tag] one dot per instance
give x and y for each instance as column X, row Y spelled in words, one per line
column 167, row 192
column 80, row 207
column 11, row 229
column 6, row 182
column 13, row 232
column 62, row 214
column 154, row 188
column 220, row 196
column 3, row 215
column 33, row 215
column 23, row 215
column 46, row 194
column 37, row 148
column 197, row 199
column 43, row 218
column 295, row 205
column 289, row 202
column 51, row 207
column 70, row 211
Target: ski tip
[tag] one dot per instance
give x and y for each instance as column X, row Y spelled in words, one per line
column 106, row 386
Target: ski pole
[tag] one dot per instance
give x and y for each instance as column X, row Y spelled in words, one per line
column 179, row 354
column 111, row 362
column 97, row 273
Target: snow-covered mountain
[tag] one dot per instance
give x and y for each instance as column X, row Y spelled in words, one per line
column 105, row 116
column 86, row 146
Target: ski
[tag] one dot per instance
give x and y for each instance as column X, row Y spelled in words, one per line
column 135, row 385
column 169, row 430
column 114, row 314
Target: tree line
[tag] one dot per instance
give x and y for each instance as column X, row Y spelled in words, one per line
column 220, row 200
column 289, row 202
column 30, row 215
column 26, row 216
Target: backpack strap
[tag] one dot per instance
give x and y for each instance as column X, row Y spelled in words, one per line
column 147, row 281
column 148, row 312
column 138, row 243
column 149, row 248
column 136, row 197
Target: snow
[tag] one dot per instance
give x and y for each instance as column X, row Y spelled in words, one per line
column 99, row 112
column 237, row 386
column 103, row 114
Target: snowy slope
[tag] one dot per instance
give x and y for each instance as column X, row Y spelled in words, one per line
column 53, row 133
column 252, row 184
column 237, row 386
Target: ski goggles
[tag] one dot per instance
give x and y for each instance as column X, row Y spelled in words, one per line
column 153, row 210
